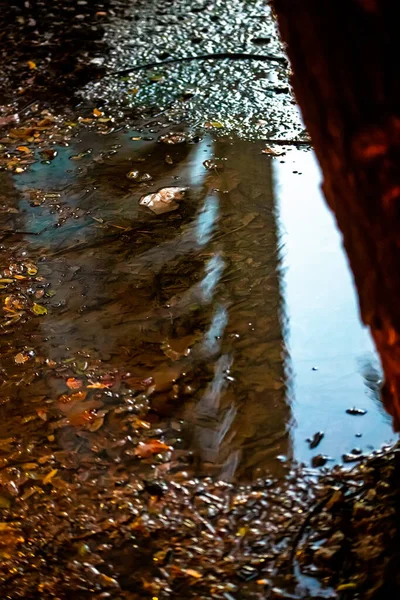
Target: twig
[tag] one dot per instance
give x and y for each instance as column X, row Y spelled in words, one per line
column 289, row 142
column 211, row 56
column 315, row 511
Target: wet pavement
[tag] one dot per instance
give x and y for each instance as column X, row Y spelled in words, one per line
column 207, row 331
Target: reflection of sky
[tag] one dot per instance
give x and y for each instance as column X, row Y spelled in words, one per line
column 324, row 326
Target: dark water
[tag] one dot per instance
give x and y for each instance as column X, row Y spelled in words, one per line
column 228, row 302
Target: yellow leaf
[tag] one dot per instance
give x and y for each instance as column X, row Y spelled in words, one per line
column 31, row 64
column 47, row 478
column 99, row 386
column 193, row 573
column 97, row 112
column 215, row 124
column 39, row 310
column 346, row 587
column 24, row 149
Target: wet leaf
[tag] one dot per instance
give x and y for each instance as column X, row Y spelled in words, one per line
column 356, row 411
column 47, row 478
column 346, row 587
column 32, row 64
column 24, row 149
column 316, row 439
column 272, row 152
column 97, row 423
column 97, row 385
column 39, row 310
column 193, row 573
column 213, row 124
column 21, row 358
column 146, row 449
column 73, row 383
column 173, row 138
column 163, row 201
column 31, row 268
column 97, row 112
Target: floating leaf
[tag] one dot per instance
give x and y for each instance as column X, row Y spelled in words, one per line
column 97, row 112
column 73, row 383
column 31, row 268
column 173, row 138
column 24, row 149
column 215, row 124
column 164, row 200
column 21, row 358
column 99, row 386
column 39, row 310
column 146, row 449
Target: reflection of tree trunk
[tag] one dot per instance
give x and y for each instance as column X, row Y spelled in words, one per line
column 346, row 79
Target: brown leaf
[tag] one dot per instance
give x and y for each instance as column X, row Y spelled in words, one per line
column 146, row 449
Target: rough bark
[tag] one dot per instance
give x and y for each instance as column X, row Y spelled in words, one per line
column 346, row 77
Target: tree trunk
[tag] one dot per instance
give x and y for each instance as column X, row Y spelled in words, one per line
column 344, row 55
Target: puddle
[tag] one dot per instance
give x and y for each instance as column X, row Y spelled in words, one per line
column 332, row 362
column 229, row 302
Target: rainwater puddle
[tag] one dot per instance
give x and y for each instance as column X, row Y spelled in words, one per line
column 226, row 303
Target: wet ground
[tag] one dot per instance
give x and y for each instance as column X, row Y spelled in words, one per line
column 176, row 305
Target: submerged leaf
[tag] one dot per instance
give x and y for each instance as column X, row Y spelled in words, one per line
column 164, row 200
column 39, row 310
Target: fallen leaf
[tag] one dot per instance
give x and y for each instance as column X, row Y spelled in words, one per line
column 215, row 124
column 97, row 423
column 39, row 310
column 272, row 152
column 24, row 149
column 31, row 64
column 193, row 573
column 97, row 112
column 21, row 358
column 47, row 478
column 164, row 200
column 146, row 449
column 74, row 384
column 173, row 138
column 99, row 386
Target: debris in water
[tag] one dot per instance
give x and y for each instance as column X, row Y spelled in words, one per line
column 172, row 138
column 320, row 460
column 272, row 152
column 213, row 125
column 146, row 449
column 39, row 310
column 356, row 411
column 315, row 440
column 21, row 358
column 164, row 200
column 352, row 457
column 73, row 383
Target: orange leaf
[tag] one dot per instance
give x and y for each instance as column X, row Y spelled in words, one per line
column 146, row 449
column 99, row 386
column 74, row 384
column 24, row 149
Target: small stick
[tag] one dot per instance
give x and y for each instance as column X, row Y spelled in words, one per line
column 211, row 56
